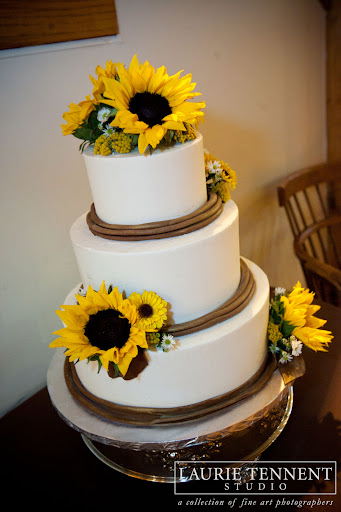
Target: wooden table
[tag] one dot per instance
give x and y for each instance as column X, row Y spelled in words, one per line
column 47, row 463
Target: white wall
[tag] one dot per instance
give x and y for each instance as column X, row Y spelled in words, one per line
column 260, row 65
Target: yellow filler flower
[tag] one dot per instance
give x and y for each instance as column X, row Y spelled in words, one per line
column 150, row 102
column 102, row 324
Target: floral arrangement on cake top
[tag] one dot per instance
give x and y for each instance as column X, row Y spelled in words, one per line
column 110, row 329
column 220, row 178
column 137, row 106
column 292, row 324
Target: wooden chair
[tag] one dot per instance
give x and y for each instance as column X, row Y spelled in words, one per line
column 310, row 201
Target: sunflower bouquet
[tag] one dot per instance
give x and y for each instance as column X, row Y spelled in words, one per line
column 137, row 106
column 292, row 324
column 106, row 327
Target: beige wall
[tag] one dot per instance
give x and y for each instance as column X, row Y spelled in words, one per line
column 260, row 65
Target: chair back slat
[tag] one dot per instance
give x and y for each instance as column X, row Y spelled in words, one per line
column 306, row 196
column 292, row 217
column 318, row 188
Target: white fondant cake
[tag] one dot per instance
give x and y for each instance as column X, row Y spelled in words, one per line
column 135, row 189
column 195, row 273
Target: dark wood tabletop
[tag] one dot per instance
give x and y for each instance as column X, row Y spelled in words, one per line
column 47, row 464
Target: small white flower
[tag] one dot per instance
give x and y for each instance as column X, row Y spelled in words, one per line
column 214, row 168
column 108, row 130
column 296, row 346
column 167, row 342
column 103, row 114
column 273, row 349
column 285, row 357
column 279, row 290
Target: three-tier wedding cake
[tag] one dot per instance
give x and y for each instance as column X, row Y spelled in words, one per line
column 169, row 322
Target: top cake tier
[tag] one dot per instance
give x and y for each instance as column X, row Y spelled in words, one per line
column 130, row 189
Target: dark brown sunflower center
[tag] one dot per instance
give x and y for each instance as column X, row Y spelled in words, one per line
column 150, row 108
column 107, row 329
column 145, row 310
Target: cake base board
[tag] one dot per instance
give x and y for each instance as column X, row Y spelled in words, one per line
column 240, row 433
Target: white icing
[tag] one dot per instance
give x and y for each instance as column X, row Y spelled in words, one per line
column 194, row 273
column 135, row 189
column 204, row 365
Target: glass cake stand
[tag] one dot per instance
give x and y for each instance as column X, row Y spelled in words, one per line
column 240, row 433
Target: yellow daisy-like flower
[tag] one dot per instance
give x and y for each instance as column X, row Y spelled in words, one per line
column 300, row 312
column 77, row 114
column 151, row 102
column 152, row 310
column 102, row 324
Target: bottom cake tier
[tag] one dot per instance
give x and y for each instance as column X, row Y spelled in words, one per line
column 203, row 365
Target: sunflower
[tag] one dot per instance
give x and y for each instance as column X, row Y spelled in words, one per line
column 150, row 102
column 108, row 72
column 151, row 309
column 299, row 312
column 77, row 114
column 101, row 324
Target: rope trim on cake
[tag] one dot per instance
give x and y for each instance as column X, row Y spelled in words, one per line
column 239, row 301
column 145, row 416
column 156, row 230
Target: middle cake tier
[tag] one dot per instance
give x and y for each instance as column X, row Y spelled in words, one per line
column 195, row 273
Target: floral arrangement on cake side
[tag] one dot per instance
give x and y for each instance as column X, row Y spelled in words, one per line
column 133, row 107
column 220, row 178
column 112, row 330
column 292, row 324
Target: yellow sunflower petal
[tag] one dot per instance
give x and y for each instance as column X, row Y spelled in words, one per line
column 316, row 339
column 155, row 134
column 142, row 143
column 134, row 64
column 174, row 125
column 116, row 93
column 126, row 82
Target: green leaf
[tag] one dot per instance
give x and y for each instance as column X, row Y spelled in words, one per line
column 117, row 371
column 92, row 119
column 135, row 139
column 82, row 133
column 276, row 317
column 287, row 328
